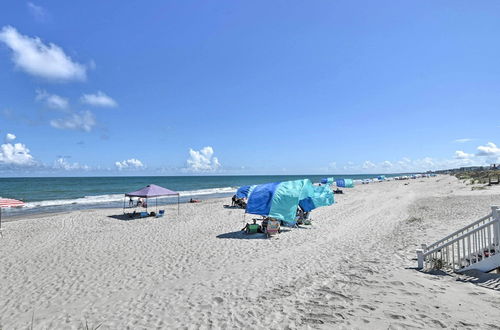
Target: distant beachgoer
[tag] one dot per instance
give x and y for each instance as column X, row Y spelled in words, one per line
column 130, row 202
column 233, row 200
column 139, row 202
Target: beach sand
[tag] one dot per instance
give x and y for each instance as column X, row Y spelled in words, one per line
column 354, row 268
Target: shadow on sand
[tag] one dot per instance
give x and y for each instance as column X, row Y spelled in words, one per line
column 486, row 280
column 233, row 207
column 126, row 217
column 240, row 234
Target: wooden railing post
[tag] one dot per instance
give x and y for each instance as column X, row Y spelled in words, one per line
column 496, row 227
column 420, row 258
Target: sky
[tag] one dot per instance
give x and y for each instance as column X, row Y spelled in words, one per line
column 247, row 87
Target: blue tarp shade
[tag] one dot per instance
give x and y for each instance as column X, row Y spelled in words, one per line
column 245, row 191
column 327, row 180
column 320, row 196
column 242, row 191
column 344, row 183
column 381, row 177
column 280, row 200
column 261, row 199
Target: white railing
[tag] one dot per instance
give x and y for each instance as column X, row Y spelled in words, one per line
column 465, row 247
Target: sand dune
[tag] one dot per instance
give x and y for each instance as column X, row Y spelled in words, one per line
column 352, row 269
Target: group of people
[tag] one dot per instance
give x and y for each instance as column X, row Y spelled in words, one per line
column 140, row 202
column 302, row 217
column 240, row 202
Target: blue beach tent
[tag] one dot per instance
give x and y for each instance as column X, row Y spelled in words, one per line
column 345, row 183
column 327, row 180
column 280, row 200
column 244, row 191
column 317, row 197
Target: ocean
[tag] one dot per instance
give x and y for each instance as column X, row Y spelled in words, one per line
column 62, row 194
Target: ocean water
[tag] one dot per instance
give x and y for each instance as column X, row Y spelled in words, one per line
column 71, row 193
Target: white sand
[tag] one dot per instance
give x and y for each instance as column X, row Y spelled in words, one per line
column 351, row 269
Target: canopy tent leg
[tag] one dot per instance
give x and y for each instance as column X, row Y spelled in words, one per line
column 178, row 202
column 123, row 204
column 1, row 234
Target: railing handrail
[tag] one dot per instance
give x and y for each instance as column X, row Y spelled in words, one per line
column 489, row 223
column 461, row 230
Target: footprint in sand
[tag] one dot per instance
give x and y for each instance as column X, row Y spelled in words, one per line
column 396, row 316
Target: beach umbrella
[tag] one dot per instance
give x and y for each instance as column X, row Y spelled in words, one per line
column 8, row 202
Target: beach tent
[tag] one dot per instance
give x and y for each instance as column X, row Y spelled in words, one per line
column 280, row 200
column 317, row 196
column 153, row 191
column 327, row 180
column 8, row 202
column 344, row 183
column 245, row 191
column 381, row 177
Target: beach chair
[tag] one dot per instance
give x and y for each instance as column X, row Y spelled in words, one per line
column 273, row 227
column 307, row 219
column 160, row 214
column 252, row 228
column 144, row 214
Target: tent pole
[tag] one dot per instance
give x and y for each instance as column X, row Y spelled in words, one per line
column 178, row 201
column 123, row 204
column 156, row 206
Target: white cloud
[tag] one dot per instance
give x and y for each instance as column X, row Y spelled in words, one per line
column 9, row 137
column 38, row 12
column 98, row 99
column 463, row 140
column 368, row 164
column 490, row 149
column 82, row 121
column 131, row 163
column 38, row 59
column 62, row 163
column 53, row 101
column 15, row 153
column 387, row 164
column 202, row 160
column 459, row 154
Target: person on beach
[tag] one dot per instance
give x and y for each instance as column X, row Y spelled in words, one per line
column 139, row 202
column 130, row 202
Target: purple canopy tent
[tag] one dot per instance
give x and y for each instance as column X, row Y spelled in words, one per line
column 151, row 191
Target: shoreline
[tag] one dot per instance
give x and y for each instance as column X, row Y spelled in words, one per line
column 41, row 214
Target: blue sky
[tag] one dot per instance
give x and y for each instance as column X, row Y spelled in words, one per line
column 247, row 87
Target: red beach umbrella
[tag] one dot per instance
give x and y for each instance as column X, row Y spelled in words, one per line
column 8, row 202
